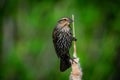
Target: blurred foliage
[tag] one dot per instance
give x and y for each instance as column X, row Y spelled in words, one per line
column 27, row 51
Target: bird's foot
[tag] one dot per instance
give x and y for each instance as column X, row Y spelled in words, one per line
column 74, row 39
column 73, row 61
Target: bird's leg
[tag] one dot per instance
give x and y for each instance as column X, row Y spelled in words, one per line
column 74, row 39
column 72, row 60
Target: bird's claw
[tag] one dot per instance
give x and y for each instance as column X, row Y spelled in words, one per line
column 74, row 39
column 73, row 61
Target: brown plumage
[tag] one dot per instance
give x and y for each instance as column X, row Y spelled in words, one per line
column 62, row 39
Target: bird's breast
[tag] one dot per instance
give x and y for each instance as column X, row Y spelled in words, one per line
column 64, row 38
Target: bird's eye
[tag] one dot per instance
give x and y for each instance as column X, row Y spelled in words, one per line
column 65, row 19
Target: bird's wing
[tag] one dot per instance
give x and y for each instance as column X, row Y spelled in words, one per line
column 54, row 35
column 55, row 39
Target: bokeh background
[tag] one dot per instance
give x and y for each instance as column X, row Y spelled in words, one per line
column 27, row 51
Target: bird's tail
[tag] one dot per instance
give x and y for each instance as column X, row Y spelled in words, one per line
column 65, row 63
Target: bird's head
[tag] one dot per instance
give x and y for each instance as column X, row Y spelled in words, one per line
column 65, row 22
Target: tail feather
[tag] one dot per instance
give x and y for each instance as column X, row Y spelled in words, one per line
column 65, row 63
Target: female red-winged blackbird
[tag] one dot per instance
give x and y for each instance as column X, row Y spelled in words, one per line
column 62, row 39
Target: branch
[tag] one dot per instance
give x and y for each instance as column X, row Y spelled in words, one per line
column 74, row 45
column 76, row 73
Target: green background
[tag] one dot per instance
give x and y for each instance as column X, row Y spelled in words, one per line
column 27, row 51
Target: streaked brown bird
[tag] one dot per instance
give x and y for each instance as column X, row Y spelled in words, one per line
column 62, row 39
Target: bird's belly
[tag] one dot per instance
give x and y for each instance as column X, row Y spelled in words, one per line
column 64, row 41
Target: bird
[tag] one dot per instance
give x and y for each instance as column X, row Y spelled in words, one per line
column 62, row 40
